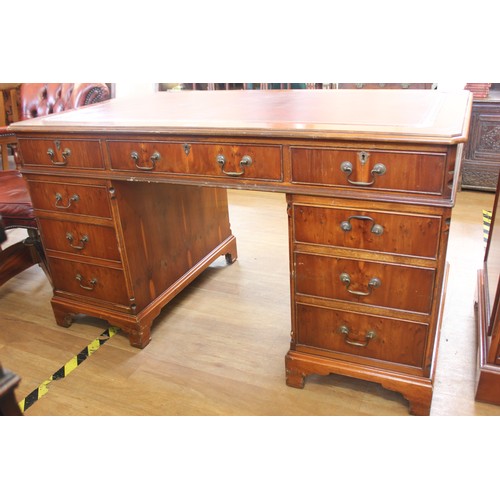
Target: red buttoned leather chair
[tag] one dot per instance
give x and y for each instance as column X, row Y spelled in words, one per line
column 40, row 99
column 16, row 210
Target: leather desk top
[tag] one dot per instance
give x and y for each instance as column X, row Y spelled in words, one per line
column 420, row 116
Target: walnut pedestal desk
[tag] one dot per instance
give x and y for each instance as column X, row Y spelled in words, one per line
column 131, row 199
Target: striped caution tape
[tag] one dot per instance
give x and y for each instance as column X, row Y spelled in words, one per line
column 65, row 370
column 486, row 225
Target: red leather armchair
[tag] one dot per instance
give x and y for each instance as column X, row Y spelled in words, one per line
column 16, row 211
column 39, row 99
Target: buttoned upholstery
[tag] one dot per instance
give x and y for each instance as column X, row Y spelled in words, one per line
column 40, row 99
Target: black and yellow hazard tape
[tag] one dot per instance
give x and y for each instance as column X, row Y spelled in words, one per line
column 486, row 225
column 67, row 368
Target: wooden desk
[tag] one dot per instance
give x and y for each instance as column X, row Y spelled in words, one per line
column 130, row 197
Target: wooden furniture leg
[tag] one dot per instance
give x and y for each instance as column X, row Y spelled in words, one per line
column 8, row 383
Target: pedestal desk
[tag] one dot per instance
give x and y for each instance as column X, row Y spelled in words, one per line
column 130, row 196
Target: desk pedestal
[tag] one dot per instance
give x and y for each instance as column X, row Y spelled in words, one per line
column 366, row 302
column 120, row 251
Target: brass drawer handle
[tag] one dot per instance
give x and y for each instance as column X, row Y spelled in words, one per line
column 83, row 240
column 65, row 154
column 246, row 161
column 154, row 158
column 92, row 282
column 345, row 331
column 59, row 198
column 375, row 229
column 347, row 168
column 373, row 283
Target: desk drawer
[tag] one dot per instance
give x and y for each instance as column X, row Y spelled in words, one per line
column 245, row 161
column 368, row 336
column 378, row 231
column 97, row 282
column 370, row 169
column 72, row 198
column 395, row 286
column 79, row 238
column 62, row 154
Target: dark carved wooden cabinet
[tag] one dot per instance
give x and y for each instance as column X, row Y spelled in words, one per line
column 488, row 316
column 481, row 163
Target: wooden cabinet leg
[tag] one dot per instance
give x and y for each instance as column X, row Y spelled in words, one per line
column 138, row 329
column 419, row 395
column 420, row 408
column 232, row 253
column 63, row 316
column 416, row 390
column 8, row 402
column 294, row 376
column 295, row 379
column 139, row 337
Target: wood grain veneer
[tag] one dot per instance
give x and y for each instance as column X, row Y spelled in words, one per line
column 164, row 161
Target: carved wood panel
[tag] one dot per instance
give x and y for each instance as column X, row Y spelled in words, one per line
column 481, row 164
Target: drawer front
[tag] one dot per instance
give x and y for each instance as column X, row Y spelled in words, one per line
column 97, row 282
column 380, row 284
column 70, row 198
column 363, row 335
column 387, row 232
column 74, row 153
column 225, row 160
column 79, row 238
column 370, row 169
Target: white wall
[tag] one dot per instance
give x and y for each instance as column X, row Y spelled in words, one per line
column 130, row 89
column 451, row 85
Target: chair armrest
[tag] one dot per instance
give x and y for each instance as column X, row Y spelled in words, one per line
column 89, row 93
